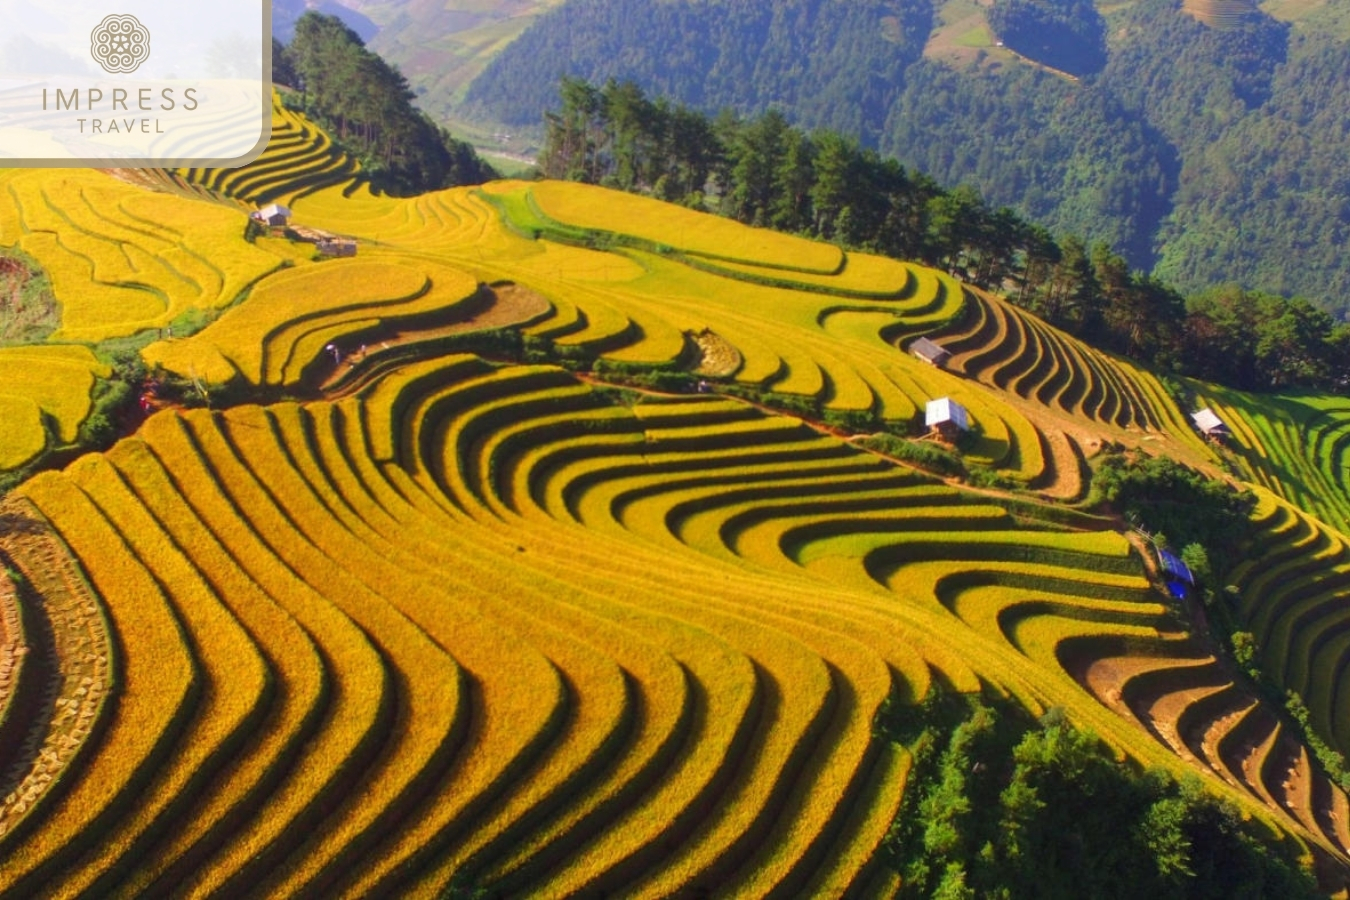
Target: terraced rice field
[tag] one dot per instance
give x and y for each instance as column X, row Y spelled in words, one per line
column 826, row 338
column 41, row 385
column 300, row 158
column 565, row 204
column 414, row 621
column 1296, row 445
column 1221, row 14
column 521, row 722
column 289, row 321
column 1295, row 451
column 123, row 259
column 1293, row 601
column 1006, row 348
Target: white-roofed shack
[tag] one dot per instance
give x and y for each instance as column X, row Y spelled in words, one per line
column 273, row 214
column 930, row 352
column 1210, row 425
column 947, row 418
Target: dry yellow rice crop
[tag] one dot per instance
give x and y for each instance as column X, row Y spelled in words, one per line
column 156, row 675
column 227, row 658
column 240, row 337
column 359, row 683
column 122, row 258
column 593, row 208
column 58, row 380
column 24, row 435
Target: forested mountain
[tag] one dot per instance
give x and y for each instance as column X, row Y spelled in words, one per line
column 286, row 13
column 440, row 45
column 762, row 171
column 837, row 65
column 1204, row 155
column 367, row 104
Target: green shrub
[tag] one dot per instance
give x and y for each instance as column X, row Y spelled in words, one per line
column 1244, row 649
column 924, row 454
column 985, row 477
column 998, row 806
column 1166, row 496
column 1196, row 558
column 854, row 421
column 1331, row 759
column 795, row 404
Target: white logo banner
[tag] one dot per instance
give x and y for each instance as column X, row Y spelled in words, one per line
column 134, row 82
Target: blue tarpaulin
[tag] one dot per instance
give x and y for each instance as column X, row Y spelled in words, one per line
column 1176, row 573
column 1178, row 589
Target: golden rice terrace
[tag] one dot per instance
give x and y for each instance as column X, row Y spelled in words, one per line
column 419, row 609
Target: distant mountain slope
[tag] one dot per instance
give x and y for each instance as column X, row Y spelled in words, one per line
column 285, row 12
column 440, row 45
column 834, row 64
column 1209, row 154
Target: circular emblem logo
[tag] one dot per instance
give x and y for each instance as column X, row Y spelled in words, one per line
column 120, row 44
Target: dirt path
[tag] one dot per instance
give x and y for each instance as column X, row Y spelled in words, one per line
column 499, row 306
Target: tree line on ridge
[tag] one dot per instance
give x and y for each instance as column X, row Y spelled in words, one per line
column 367, row 107
column 1201, row 155
column 763, row 171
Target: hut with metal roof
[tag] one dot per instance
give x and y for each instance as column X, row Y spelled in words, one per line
column 273, row 214
column 947, row 418
column 930, row 352
column 1210, row 425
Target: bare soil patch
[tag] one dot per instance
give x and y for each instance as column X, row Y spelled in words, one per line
column 511, row 304
column 28, row 309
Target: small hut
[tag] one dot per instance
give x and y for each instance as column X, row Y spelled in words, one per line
column 930, row 352
column 273, row 215
column 1210, row 425
column 947, row 418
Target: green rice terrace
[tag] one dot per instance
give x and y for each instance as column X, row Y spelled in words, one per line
column 561, row 543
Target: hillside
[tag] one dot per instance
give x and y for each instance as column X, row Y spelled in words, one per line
column 285, row 13
column 1203, row 154
column 564, row 541
column 441, row 47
